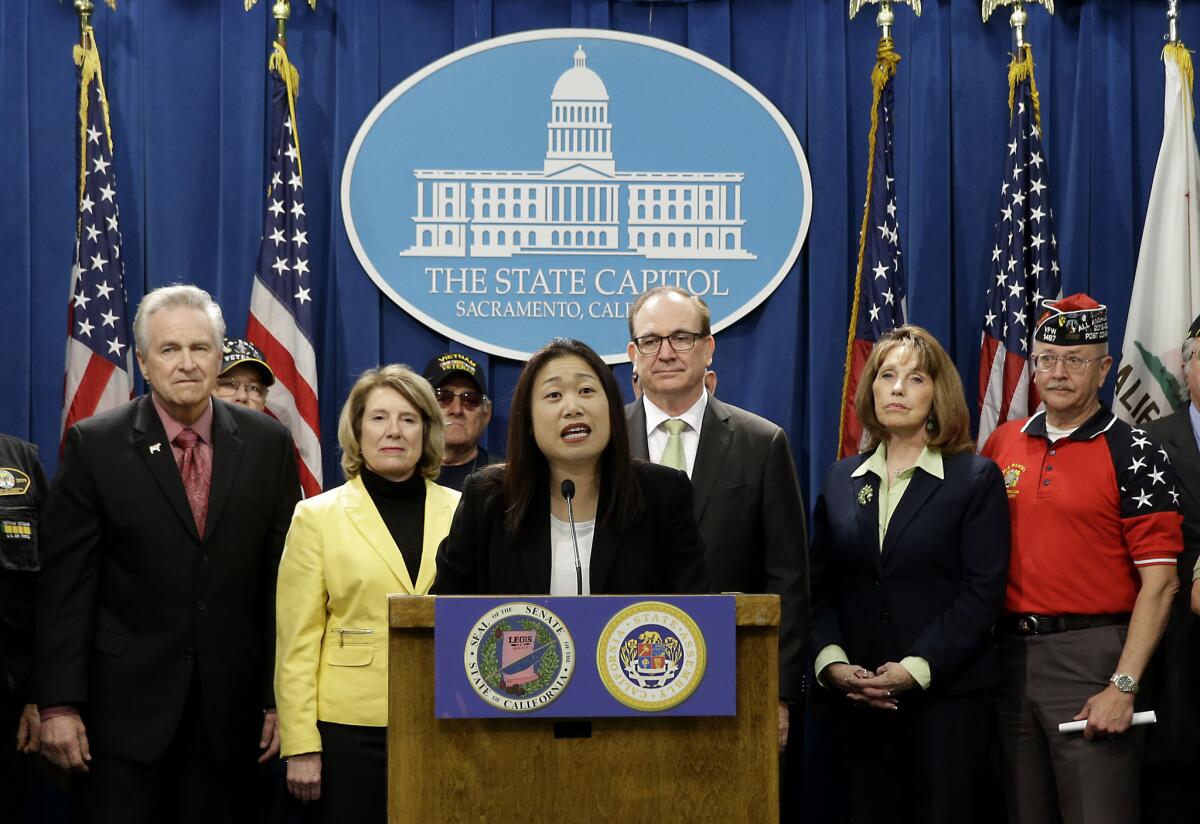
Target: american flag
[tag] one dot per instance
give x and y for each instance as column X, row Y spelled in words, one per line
column 281, row 311
column 1024, row 265
column 880, row 302
column 99, row 369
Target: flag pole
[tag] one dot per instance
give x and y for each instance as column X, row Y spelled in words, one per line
column 1172, row 21
column 84, row 9
column 1017, row 18
column 885, row 69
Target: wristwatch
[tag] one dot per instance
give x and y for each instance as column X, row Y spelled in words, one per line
column 1124, row 683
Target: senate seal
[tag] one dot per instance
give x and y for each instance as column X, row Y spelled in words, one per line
column 651, row 656
column 519, row 657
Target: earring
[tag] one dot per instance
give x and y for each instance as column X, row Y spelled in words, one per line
column 929, row 425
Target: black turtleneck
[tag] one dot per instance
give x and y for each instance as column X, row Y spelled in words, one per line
column 402, row 506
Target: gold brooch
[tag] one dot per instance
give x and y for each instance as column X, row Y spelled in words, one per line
column 865, row 494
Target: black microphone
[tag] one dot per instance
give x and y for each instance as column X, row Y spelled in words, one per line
column 568, row 492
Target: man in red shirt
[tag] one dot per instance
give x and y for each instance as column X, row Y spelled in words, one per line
column 1095, row 535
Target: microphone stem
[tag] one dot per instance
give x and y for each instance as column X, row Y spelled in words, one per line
column 575, row 546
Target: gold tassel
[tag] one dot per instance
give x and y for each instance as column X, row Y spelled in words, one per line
column 1183, row 58
column 1021, row 68
column 87, row 58
column 291, row 80
column 885, row 69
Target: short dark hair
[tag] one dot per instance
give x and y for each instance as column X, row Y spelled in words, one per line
column 527, row 472
column 698, row 304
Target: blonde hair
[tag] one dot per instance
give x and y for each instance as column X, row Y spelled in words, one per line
column 951, row 430
column 417, row 391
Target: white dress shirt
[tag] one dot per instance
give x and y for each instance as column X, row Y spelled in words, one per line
column 656, row 433
column 562, row 556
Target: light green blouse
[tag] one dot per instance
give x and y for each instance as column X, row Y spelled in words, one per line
column 889, row 498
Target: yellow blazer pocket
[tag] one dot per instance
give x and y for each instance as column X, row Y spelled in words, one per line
column 351, row 655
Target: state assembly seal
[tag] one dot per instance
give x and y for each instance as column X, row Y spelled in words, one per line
column 519, row 657
column 651, row 656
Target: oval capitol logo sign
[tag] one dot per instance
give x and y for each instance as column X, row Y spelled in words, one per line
column 534, row 185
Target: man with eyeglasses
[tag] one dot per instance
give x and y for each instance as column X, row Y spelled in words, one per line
column 748, row 504
column 245, row 376
column 1095, row 536
column 461, row 391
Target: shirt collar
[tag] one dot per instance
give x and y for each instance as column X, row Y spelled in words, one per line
column 1098, row 424
column 1194, row 417
column 929, row 460
column 693, row 417
column 202, row 426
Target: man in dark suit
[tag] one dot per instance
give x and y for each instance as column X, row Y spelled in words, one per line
column 748, row 503
column 1173, row 744
column 156, row 600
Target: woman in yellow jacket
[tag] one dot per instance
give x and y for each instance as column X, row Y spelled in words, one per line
column 347, row 549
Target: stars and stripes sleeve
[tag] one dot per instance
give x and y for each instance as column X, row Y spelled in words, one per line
column 1149, row 497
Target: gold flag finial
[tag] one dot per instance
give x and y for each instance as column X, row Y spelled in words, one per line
column 281, row 10
column 886, row 17
column 1019, row 16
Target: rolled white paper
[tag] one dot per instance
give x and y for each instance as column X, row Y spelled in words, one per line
column 1139, row 718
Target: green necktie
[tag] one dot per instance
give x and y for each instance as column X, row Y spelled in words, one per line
column 673, row 456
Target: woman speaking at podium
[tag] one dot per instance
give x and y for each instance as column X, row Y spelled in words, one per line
column 345, row 551
column 570, row 512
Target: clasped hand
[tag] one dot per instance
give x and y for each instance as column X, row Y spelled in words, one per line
column 879, row 689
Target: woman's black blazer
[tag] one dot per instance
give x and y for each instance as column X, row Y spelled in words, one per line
column 661, row 553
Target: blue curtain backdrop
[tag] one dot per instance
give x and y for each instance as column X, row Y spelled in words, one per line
column 187, row 83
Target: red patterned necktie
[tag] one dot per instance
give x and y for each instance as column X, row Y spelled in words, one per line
column 196, row 481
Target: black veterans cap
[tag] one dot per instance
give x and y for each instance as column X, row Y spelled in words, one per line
column 1194, row 329
column 238, row 351
column 1072, row 321
column 444, row 367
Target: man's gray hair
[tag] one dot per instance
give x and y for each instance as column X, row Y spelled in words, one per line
column 178, row 295
column 1187, row 350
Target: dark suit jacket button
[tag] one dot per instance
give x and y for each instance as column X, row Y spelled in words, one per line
column 200, row 606
column 203, row 558
column 189, row 654
column 886, row 617
column 878, row 582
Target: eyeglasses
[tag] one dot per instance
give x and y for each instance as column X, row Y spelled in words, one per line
column 680, row 342
column 1045, row 362
column 228, row 387
column 470, row 399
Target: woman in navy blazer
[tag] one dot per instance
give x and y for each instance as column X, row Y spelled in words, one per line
column 909, row 562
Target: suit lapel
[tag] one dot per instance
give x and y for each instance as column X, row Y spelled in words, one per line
column 1185, row 459
column 150, row 442
column 715, row 436
column 920, row 487
column 369, row 523
column 535, row 549
column 227, row 455
column 605, row 540
column 864, row 490
column 635, row 415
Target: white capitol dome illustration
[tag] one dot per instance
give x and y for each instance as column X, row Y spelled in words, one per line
column 578, row 203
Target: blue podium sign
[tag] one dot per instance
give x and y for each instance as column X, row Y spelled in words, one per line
column 534, row 185
column 597, row 656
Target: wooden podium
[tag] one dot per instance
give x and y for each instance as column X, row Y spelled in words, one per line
column 636, row 769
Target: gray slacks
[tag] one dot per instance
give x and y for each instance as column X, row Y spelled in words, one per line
column 1049, row 777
